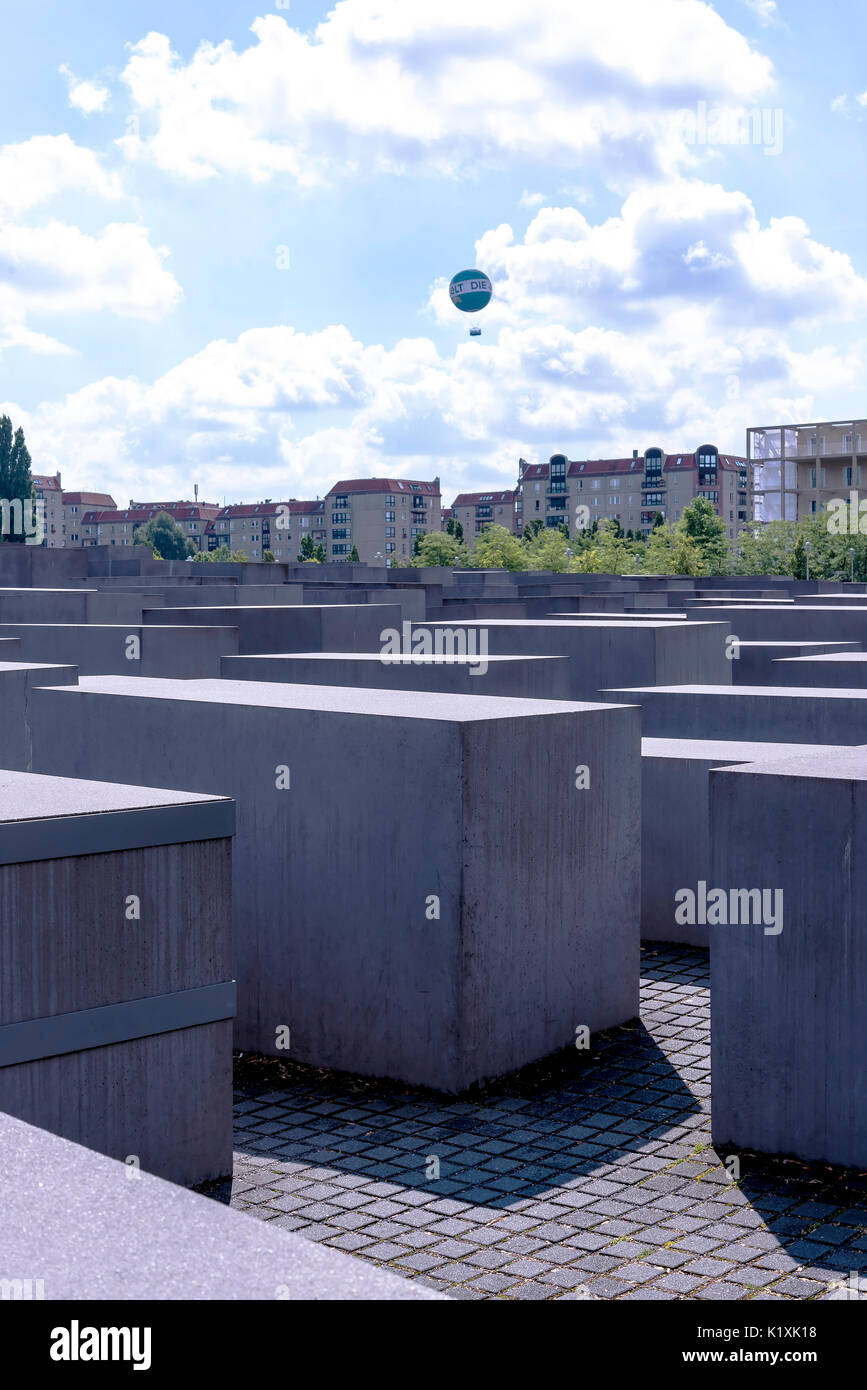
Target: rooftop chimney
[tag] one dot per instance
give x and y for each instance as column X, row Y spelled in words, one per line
column 635, row 453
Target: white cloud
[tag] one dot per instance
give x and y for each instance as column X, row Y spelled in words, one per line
column 50, row 267
column 531, row 200
column 765, row 11
column 85, row 96
column 45, row 165
column 400, row 84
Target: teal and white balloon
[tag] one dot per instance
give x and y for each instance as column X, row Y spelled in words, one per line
column 470, row 291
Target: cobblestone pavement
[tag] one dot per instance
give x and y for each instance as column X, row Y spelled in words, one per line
column 589, row 1175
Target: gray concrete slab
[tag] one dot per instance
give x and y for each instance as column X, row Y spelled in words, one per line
column 102, row 649
column 398, row 807
column 17, row 681
column 293, row 628
column 757, row 663
column 841, row 670
column 68, row 605
column 788, row 1062
column 524, row 677
column 599, row 649
column 675, row 824
column 116, row 993
column 89, row 1228
column 760, row 713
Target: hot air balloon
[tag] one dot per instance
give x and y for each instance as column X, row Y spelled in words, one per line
column 470, row 291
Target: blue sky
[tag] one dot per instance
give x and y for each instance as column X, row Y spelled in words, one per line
column 226, row 232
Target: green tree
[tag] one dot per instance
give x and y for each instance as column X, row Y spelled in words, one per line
column 439, row 548
column 498, row 549
column 310, row 552
column 546, row 551
column 354, row 557
column 607, row 552
column 670, row 550
column 16, row 483
column 708, row 531
column 454, row 528
column 165, row 538
column 268, row 557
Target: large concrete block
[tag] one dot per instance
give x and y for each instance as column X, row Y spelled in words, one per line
column 296, row 628
column 841, row 670
column 601, row 648
column 116, row 992
column 759, row 663
column 526, row 677
column 788, row 1060
column 68, row 606
column 179, row 653
column 72, row 1220
column 421, row 891
column 17, row 681
column 675, row 828
column 778, row 621
column 758, row 713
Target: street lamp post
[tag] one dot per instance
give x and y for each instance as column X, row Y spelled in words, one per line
column 851, row 564
column 808, row 546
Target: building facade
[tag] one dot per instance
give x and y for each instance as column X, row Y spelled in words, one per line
column 799, row 469
column 633, row 491
column 113, row 527
column 381, row 517
column 478, row 510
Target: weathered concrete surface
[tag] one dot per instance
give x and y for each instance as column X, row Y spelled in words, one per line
column 788, row 1058
column 599, row 648
column 257, row 595
column 80, row 1222
column 17, row 681
column 68, row 606
column 75, row 858
column 675, row 826
column 98, row 649
column 758, row 662
column 296, row 628
column 773, row 622
column 335, row 875
column 526, row 677
column 758, row 713
column 840, row 670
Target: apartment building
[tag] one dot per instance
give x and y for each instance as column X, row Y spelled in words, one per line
column 75, row 505
column 49, row 491
column 381, row 517
column 113, row 527
column 633, row 491
column 64, row 511
column 799, row 469
column 478, row 510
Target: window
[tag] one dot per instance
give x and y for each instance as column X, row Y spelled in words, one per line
column 340, row 518
column 389, row 547
column 596, row 483
column 341, row 533
column 389, row 516
column 613, row 501
column 389, row 530
column 419, row 502
column 389, row 501
column 341, row 500
column 340, row 549
column 612, row 482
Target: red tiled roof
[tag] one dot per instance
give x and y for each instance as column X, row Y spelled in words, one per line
column 403, row 485
column 471, row 499
column 40, row 480
column 89, row 499
column 139, row 516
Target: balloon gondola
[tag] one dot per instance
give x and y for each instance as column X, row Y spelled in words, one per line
column 470, row 291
